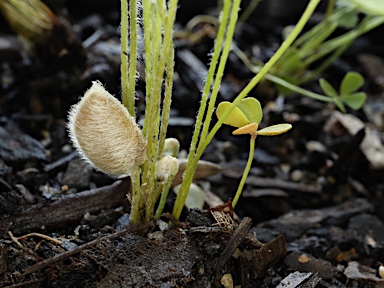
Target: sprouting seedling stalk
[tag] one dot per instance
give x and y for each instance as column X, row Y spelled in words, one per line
column 166, row 169
column 212, row 68
column 133, row 7
column 124, row 49
column 169, row 65
column 152, row 36
column 168, row 19
column 129, row 21
column 147, row 22
column 247, row 116
column 220, row 69
column 193, row 160
column 228, row 10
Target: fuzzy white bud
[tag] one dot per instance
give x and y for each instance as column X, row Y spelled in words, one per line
column 105, row 134
column 171, row 147
column 166, row 167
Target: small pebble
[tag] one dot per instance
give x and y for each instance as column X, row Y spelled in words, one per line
column 227, row 281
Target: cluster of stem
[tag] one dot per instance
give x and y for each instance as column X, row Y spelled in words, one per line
column 157, row 20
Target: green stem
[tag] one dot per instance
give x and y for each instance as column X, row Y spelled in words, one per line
column 191, row 167
column 366, row 25
column 246, row 170
column 310, row 46
column 132, row 56
column 169, row 65
column 248, row 11
column 152, row 110
column 312, row 33
column 163, row 199
column 136, row 195
column 297, row 89
column 220, row 69
column 168, row 20
column 128, row 91
column 330, row 9
column 278, row 80
column 124, row 50
column 211, row 73
column 153, row 25
column 180, row 199
column 325, row 64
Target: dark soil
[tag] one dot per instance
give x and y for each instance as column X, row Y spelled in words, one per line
column 310, row 216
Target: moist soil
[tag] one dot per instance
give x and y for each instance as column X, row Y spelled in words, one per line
column 311, row 211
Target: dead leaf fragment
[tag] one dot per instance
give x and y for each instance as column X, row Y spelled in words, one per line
column 204, row 169
column 371, row 145
column 361, row 273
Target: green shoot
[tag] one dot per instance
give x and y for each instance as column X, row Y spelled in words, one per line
column 347, row 95
column 247, row 116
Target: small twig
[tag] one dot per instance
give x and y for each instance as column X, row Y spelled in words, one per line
column 58, row 242
column 26, row 283
column 14, row 239
column 26, row 250
column 235, row 240
column 67, row 254
column 171, row 218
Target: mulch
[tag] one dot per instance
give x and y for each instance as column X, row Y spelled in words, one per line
column 310, row 214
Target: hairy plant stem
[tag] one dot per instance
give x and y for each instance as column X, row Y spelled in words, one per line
column 211, row 73
column 220, row 69
column 133, row 6
column 246, row 170
column 168, row 20
column 191, row 167
column 169, row 66
column 153, row 25
column 163, row 199
column 124, row 49
column 148, row 12
column 226, row 12
column 136, row 196
column 128, row 89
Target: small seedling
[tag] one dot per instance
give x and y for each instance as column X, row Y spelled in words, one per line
column 347, row 95
column 247, row 117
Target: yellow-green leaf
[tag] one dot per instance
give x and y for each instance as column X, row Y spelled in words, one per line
column 274, row 129
column 236, row 118
column 251, row 109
